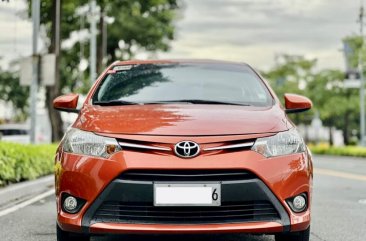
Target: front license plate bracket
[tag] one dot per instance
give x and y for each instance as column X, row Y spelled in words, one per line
column 187, row 194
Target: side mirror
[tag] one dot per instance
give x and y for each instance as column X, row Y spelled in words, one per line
column 297, row 103
column 67, row 103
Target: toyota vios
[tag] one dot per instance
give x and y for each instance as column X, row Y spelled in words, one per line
column 183, row 146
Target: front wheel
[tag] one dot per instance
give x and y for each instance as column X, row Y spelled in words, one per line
column 296, row 236
column 68, row 236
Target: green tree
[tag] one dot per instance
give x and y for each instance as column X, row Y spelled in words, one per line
column 11, row 91
column 292, row 74
column 338, row 107
column 144, row 25
column 139, row 25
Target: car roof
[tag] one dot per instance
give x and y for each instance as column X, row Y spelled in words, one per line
column 183, row 61
column 14, row 126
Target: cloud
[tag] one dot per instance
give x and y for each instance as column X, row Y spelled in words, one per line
column 243, row 30
column 257, row 30
column 16, row 31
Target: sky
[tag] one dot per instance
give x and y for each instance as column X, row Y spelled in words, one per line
column 252, row 31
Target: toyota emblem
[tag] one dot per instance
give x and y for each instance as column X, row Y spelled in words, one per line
column 187, row 149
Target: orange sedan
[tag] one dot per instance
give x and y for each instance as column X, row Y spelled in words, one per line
column 183, row 146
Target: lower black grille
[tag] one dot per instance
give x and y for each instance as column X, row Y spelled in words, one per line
column 120, row 212
column 130, row 199
column 186, row 175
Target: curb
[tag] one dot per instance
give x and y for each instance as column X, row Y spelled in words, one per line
column 16, row 193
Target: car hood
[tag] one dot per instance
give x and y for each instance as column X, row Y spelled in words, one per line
column 182, row 119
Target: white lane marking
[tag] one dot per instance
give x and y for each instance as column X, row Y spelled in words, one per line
column 26, row 203
column 362, row 201
column 18, row 186
column 346, row 175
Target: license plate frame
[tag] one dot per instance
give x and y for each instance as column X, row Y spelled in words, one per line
column 175, row 194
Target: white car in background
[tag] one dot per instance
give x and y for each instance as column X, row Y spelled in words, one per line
column 15, row 133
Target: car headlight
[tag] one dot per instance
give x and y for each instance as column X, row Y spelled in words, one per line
column 87, row 143
column 283, row 143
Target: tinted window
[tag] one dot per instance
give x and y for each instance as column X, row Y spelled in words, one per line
column 149, row 83
column 13, row 132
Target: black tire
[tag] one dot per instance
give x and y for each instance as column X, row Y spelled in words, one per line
column 67, row 236
column 296, row 236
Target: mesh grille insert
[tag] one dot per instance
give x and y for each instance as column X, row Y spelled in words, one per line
column 119, row 212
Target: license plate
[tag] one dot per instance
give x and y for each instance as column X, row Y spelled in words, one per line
column 187, row 194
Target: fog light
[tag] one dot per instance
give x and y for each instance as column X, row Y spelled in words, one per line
column 298, row 203
column 70, row 204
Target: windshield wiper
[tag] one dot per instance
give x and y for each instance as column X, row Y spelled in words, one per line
column 190, row 101
column 197, row 101
column 115, row 102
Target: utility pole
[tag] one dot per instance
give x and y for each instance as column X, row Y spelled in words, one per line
column 57, row 28
column 93, row 41
column 35, row 60
column 362, row 80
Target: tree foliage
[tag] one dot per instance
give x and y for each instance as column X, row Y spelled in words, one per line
column 11, row 91
column 292, row 74
column 137, row 26
column 147, row 25
column 337, row 106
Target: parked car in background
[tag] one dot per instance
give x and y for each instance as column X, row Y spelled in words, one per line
column 14, row 133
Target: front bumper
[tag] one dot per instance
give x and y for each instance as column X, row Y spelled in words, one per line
column 97, row 180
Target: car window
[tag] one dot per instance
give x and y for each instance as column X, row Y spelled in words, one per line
column 13, row 132
column 148, row 82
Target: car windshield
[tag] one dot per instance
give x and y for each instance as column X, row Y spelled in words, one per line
column 154, row 83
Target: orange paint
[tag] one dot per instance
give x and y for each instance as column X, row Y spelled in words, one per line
column 165, row 125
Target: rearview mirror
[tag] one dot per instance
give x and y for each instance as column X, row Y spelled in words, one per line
column 67, row 103
column 297, row 103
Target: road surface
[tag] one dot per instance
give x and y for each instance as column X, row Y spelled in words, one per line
column 339, row 210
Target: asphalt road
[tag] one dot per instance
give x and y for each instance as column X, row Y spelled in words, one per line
column 339, row 211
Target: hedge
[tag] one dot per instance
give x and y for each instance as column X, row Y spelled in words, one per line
column 355, row 151
column 20, row 162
